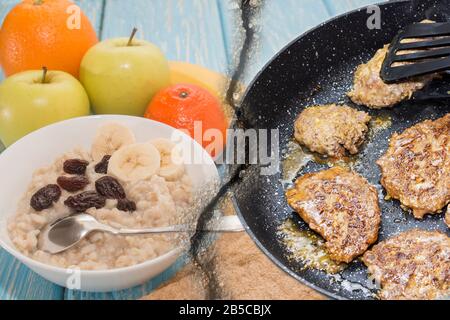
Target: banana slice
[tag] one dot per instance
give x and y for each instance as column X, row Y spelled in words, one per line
column 172, row 167
column 110, row 137
column 134, row 162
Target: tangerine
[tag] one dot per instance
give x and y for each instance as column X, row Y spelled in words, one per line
column 189, row 107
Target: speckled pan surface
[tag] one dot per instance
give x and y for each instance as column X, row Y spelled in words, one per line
column 317, row 68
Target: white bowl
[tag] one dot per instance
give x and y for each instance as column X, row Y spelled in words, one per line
column 41, row 148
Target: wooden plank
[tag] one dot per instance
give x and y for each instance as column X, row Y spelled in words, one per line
column 16, row 280
column 5, row 7
column 198, row 31
column 92, row 8
column 227, row 20
column 280, row 22
column 336, row 7
column 127, row 294
column 187, row 30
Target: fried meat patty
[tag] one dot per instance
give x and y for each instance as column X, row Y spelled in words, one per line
column 416, row 167
column 331, row 129
column 370, row 90
column 341, row 206
column 412, row 265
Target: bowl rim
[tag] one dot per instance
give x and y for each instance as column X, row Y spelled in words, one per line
column 29, row 261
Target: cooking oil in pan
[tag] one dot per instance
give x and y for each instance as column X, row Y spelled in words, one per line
column 348, row 162
column 379, row 123
column 295, row 158
column 307, row 248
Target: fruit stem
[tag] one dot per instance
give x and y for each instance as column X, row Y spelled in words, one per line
column 133, row 33
column 38, row 2
column 44, row 73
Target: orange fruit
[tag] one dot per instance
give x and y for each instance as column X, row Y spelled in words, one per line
column 182, row 105
column 51, row 33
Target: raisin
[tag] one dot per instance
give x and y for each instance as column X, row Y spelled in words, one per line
column 72, row 184
column 102, row 166
column 85, row 200
column 126, row 205
column 75, row 166
column 110, row 188
column 44, row 197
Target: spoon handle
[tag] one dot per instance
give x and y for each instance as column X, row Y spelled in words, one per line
column 168, row 229
column 225, row 224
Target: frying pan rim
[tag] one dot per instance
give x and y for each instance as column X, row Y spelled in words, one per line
column 277, row 262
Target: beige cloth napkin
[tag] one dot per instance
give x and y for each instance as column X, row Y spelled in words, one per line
column 242, row 272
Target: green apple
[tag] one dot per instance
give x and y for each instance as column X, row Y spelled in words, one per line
column 122, row 75
column 33, row 99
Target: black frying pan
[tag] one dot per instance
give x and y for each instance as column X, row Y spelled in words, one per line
column 317, row 68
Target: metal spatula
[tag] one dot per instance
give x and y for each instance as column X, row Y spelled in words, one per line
column 429, row 46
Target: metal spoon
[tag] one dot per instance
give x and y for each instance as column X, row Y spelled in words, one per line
column 66, row 232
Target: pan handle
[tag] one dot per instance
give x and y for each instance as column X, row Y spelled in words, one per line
column 226, row 224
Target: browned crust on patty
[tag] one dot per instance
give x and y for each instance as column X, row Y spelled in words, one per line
column 331, row 129
column 341, row 206
column 412, row 265
column 416, row 167
column 370, row 90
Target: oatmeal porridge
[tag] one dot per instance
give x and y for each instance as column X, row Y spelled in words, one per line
column 115, row 188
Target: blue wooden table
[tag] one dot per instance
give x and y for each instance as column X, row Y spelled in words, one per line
column 197, row 31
